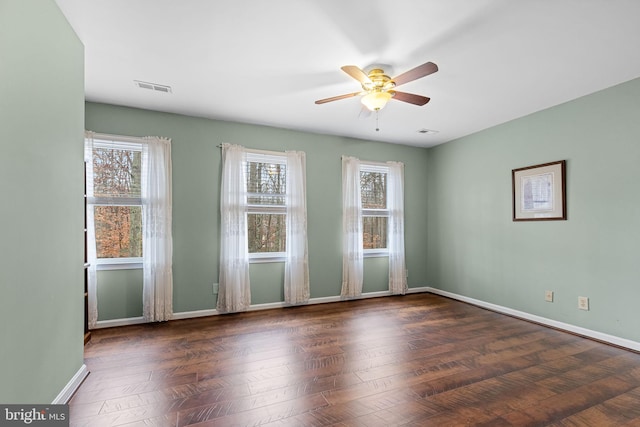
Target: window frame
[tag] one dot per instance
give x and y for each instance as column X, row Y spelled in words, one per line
column 120, row 143
column 375, row 213
column 270, row 157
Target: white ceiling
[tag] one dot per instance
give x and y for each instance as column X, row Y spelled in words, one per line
column 266, row 62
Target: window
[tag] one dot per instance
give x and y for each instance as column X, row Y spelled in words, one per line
column 266, row 177
column 375, row 212
column 129, row 216
column 373, row 221
column 117, row 202
column 263, row 219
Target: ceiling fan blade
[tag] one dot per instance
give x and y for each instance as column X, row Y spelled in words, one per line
column 356, row 73
column 411, row 98
column 416, row 73
column 336, row 98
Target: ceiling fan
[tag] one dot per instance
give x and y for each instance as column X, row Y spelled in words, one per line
column 378, row 88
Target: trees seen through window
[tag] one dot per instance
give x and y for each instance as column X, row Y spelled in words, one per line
column 266, row 198
column 118, row 205
column 373, row 195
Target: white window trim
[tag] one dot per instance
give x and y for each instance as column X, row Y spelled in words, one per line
column 375, row 212
column 381, row 168
column 119, row 263
column 267, row 209
column 262, row 156
column 375, row 253
column 265, row 257
column 274, row 157
column 102, row 140
column 122, row 143
column 366, row 166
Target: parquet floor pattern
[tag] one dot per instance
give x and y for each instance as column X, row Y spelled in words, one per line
column 413, row 360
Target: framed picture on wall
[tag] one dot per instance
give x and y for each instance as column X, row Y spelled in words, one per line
column 539, row 192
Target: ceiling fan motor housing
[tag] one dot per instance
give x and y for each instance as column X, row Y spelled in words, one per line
column 378, row 81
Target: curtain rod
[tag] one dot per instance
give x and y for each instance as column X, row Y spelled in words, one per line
column 373, row 162
column 111, row 137
column 256, row 151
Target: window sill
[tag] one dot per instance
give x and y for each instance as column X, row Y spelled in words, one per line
column 119, row 266
column 375, row 254
column 266, row 259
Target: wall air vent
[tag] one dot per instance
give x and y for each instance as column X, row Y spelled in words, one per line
column 428, row 131
column 152, row 86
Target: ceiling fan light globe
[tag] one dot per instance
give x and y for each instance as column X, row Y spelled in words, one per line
column 375, row 101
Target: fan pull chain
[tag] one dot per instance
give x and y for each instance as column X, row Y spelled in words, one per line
column 377, row 127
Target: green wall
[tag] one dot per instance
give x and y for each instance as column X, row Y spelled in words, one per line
column 196, row 209
column 476, row 250
column 119, row 294
column 41, row 131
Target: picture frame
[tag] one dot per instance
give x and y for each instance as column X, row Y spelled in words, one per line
column 539, row 192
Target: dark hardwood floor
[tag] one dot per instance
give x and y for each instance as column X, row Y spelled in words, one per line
column 415, row 360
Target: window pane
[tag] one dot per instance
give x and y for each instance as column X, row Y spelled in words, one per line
column 266, row 183
column 266, row 232
column 373, row 187
column 374, row 232
column 116, row 172
column 118, row 231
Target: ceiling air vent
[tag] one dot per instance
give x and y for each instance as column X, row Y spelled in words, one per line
column 152, row 86
column 428, row 131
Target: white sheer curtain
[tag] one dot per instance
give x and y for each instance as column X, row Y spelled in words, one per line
column 352, row 253
column 92, row 284
column 296, row 273
column 234, row 293
column 395, row 238
column 157, row 241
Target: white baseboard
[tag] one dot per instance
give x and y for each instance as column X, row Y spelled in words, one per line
column 118, row 322
column 419, row 290
column 319, row 300
column 194, row 314
column 611, row 339
column 67, row 392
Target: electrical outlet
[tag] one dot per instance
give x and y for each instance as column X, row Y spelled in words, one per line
column 215, row 288
column 583, row 303
column 548, row 296
column 406, row 273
